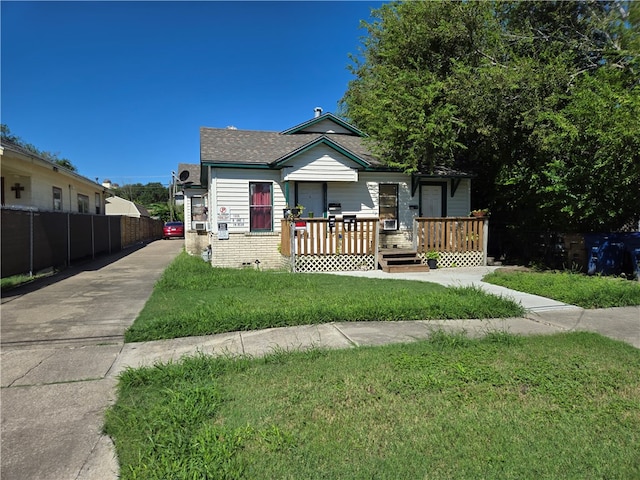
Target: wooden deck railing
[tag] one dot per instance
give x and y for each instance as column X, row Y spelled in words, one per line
column 320, row 237
column 450, row 234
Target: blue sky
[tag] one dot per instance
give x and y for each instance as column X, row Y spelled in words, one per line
column 122, row 88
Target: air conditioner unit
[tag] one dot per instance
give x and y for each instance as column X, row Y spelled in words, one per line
column 199, row 225
column 390, row 224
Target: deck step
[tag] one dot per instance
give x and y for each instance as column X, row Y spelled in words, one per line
column 398, row 260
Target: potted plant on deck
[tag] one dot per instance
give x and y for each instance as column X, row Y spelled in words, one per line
column 293, row 213
column 432, row 258
column 481, row 212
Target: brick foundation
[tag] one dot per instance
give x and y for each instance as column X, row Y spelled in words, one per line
column 243, row 249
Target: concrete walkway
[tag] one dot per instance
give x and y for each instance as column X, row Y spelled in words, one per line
column 62, row 349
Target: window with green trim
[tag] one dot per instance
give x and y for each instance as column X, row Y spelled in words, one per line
column 260, row 207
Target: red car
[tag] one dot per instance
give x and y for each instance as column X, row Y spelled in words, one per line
column 173, row 229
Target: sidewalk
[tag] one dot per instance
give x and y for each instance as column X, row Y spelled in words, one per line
column 62, row 349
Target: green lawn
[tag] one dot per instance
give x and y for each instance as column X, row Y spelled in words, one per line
column 573, row 288
column 564, row 406
column 191, row 298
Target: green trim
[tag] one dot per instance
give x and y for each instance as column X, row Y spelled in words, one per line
column 325, row 116
column 443, row 196
column 455, row 183
column 327, row 141
column 237, row 165
column 419, row 178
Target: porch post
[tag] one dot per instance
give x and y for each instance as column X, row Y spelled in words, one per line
column 485, row 240
column 286, row 194
column 292, row 231
column 414, row 239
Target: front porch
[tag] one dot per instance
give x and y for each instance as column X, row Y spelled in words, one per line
column 351, row 243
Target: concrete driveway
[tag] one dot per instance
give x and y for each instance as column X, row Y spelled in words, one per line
column 60, row 337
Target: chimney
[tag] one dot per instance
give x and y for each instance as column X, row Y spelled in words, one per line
column 317, row 111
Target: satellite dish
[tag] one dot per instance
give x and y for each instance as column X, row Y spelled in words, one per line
column 184, row 174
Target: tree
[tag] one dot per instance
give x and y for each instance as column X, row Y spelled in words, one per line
column 153, row 192
column 536, row 98
column 153, row 196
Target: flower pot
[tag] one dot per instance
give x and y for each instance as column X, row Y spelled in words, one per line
column 432, row 262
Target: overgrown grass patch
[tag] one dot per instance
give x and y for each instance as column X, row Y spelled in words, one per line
column 563, row 406
column 14, row 281
column 191, row 298
column 573, row 288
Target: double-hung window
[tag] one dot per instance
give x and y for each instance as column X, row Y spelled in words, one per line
column 57, row 199
column 260, row 207
column 83, row 203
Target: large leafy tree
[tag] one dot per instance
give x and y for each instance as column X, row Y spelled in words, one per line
column 153, row 196
column 537, row 98
column 152, row 192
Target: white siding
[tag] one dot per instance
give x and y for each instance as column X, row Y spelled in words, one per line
column 321, row 164
column 327, row 126
column 189, row 194
column 405, row 214
column 460, row 204
column 362, row 198
column 230, row 191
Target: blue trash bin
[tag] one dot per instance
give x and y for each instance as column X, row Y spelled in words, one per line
column 606, row 253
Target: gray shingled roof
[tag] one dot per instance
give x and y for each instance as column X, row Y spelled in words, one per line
column 255, row 147
column 193, row 170
column 262, row 147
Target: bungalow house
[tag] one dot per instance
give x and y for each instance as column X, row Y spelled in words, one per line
column 354, row 206
column 30, row 182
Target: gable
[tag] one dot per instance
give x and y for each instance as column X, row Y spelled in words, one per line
column 320, row 163
column 326, row 126
column 327, row 123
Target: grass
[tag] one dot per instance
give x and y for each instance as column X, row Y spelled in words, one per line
column 572, row 288
column 192, row 299
column 563, row 406
column 14, row 281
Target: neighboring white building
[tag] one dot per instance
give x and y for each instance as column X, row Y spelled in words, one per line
column 122, row 206
column 252, row 177
column 29, row 181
